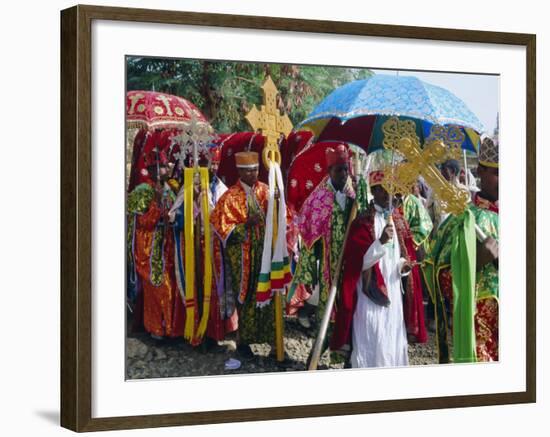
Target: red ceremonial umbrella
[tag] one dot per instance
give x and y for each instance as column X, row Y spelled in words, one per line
column 144, row 144
column 292, row 146
column 159, row 117
column 306, row 171
column 234, row 143
column 250, row 141
column 152, row 110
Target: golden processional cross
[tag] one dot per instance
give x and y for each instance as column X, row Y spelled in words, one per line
column 442, row 144
column 272, row 124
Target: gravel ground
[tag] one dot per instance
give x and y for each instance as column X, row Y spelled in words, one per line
column 149, row 358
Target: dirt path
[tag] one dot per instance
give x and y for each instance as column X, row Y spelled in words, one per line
column 148, row 358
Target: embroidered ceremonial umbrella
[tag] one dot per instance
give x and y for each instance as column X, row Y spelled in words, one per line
column 355, row 112
column 153, row 119
column 153, row 110
column 292, row 147
column 307, row 170
column 232, row 143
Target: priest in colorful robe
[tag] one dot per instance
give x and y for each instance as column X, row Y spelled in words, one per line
column 220, row 321
column 418, row 218
column 462, row 269
column 239, row 220
column 420, row 224
column 322, row 223
column 224, row 318
column 151, row 250
column 372, row 309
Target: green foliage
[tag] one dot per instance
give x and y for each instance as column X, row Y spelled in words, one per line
column 226, row 91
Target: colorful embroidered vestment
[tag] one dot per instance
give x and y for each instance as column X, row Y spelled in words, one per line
column 322, row 224
column 151, row 253
column 243, row 252
column 482, row 324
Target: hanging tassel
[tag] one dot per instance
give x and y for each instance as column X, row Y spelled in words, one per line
column 207, row 255
column 263, row 289
column 189, row 255
column 280, row 264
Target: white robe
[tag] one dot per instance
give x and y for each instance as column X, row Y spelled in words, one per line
column 379, row 334
column 221, row 188
column 212, row 200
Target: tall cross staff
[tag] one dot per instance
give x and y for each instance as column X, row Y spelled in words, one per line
column 195, row 135
column 399, row 136
column 444, row 142
column 272, row 124
column 269, row 120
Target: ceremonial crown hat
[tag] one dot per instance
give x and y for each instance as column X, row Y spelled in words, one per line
column 380, row 161
column 376, row 177
column 488, row 153
column 337, row 156
column 246, row 159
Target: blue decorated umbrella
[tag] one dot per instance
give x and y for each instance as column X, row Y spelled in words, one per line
column 355, row 112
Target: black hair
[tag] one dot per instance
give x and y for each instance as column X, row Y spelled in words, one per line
column 452, row 164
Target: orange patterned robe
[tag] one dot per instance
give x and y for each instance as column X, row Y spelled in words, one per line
column 152, row 253
column 243, row 251
column 232, row 211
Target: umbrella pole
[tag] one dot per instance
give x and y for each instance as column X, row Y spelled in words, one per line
column 466, row 175
column 318, row 345
column 390, row 217
column 367, row 166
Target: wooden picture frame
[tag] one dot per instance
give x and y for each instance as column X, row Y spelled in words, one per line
column 76, row 217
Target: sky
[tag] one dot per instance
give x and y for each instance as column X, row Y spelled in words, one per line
column 480, row 92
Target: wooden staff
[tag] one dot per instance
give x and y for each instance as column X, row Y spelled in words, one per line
column 316, row 352
column 271, row 156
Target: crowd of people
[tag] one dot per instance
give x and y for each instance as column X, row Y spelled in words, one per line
column 401, row 265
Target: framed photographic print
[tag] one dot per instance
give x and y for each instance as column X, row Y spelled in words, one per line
column 304, row 214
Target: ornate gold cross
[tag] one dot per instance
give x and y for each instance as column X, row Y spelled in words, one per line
column 270, row 121
column 272, row 124
column 400, row 136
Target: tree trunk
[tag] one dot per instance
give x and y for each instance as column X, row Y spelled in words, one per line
column 210, row 109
